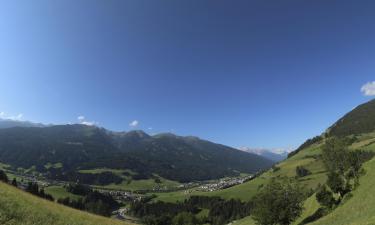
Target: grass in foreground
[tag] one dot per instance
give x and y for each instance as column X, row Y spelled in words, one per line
column 18, row 207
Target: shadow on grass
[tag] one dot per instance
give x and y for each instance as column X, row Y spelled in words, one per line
column 319, row 213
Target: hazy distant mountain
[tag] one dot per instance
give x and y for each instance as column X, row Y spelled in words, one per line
column 275, row 156
column 7, row 123
column 80, row 146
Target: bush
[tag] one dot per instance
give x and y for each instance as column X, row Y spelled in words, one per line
column 3, row 176
column 325, row 197
column 302, row 171
column 279, row 202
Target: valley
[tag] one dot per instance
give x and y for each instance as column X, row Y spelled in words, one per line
column 305, row 165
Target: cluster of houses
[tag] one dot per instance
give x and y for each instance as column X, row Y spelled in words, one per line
column 224, row 183
column 121, row 195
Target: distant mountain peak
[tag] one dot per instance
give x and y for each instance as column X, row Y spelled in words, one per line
column 9, row 123
column 137, row 133
column 272, row 154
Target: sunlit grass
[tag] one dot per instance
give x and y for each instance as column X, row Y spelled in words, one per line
column 19, row 207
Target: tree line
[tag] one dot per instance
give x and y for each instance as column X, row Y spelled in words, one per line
column 344, row 168
column 91, row 200
column 163, row 213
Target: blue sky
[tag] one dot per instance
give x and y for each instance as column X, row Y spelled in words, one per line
column 242, row 73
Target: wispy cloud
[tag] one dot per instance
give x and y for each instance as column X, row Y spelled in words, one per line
column 134, row 123
column 5, row 116
column 82, row 120
column 368, row 89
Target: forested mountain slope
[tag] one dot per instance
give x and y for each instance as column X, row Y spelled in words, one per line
column 77, row 147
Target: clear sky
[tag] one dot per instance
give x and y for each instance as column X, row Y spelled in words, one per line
column 242, row 73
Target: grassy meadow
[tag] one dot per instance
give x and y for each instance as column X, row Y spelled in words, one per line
column 19, row 207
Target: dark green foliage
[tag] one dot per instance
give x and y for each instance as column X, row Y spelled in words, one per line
column 184, row 218
column 336, row 156
column 338, row 184
column 275, row 168
column 86, row 147
column 220, row 211
column 34, row 189
column 358, row 121
column 103, row 178
column 225, row 211
column 302, row 171
column 157, row 180
column 78, row 189
column 279, row 202
column 14, row 182
column 306, row 144
column 343, row 166
column 93, row 202
column 3, row 176
column 319, row 213
column 325, row 197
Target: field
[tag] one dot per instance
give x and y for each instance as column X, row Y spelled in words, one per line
column 60, row 192
column 132, row 185
column 18, row 207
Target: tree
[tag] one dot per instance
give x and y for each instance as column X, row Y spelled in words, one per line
column 338, row 184
column 336, row 155
column 184, row 218
column 325, row 197
column 14, row 182
column 279, row 202
column 302, row 171
column 3, row 176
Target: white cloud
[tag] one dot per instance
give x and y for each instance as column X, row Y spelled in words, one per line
column 5, row 116
column 368, row 89
column 89, row 123
column 82, row 120
column 134, row 123
column 150, row 128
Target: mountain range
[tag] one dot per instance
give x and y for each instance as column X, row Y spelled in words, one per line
column 76, row 147
column 8, row 123
column 270, row 154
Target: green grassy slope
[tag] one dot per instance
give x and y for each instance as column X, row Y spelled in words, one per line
column 60, row 192
column 18, row 207
column 246, row 191
column 310, row 206
column 130, row 184
column 360, row 209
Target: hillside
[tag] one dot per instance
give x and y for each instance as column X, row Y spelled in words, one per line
column 359, row 120
column 357, row 210
column 18, row 207
column 80, row 147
